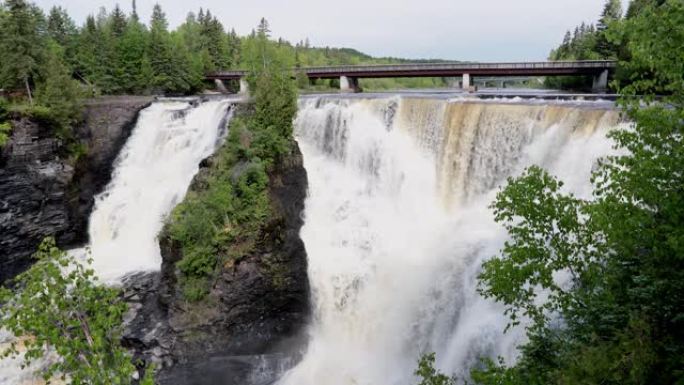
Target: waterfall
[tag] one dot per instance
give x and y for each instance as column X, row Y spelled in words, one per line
column 397, row 225
column 151, row 176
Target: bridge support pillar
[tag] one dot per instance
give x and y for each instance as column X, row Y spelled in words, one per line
column 220, row 86
column 600, row 82
column 244, row 87
column 465, row 84
column 349, row 84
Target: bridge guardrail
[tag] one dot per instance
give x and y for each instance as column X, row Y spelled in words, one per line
column 466, row 66
column 459, row 66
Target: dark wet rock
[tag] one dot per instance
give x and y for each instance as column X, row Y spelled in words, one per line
column 250, row 326
column 44, row 194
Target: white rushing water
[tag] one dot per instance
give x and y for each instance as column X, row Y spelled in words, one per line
column 397, row 225
column 151, row 176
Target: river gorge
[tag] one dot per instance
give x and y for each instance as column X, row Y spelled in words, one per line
column 390, row 198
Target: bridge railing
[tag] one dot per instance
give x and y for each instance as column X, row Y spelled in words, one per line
column 457, row 66
column 607, row 64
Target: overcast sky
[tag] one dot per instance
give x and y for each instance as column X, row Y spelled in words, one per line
column 484, row 30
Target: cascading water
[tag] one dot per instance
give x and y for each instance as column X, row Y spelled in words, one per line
column 152, row 174
column 397, row 225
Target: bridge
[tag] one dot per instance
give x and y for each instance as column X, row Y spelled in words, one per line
column 349, row 75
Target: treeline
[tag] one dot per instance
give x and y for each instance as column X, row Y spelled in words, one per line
column 50, row 64
column 606, row 40
column 114, row 52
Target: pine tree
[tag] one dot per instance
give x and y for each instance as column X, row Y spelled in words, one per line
column 87, row 61
column 130, row 55
column 134, row 12
column 200, row 16
column 263, row 28
column 159, row 50
column 58, row 90
column 566, row 39
column 169, row 59
column 117, row 21
column 234, row 45
column 21, row 46
column 158, row 22
column 612, row 11
column 60, row 27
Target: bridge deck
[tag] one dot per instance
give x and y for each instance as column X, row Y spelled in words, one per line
column 589, row 67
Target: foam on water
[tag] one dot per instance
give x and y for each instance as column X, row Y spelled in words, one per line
column 397, row 225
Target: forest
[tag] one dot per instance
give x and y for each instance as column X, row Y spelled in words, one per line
column 621, row 319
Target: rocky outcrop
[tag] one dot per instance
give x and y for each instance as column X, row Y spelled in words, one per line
column 43, row 193
column 249, row 328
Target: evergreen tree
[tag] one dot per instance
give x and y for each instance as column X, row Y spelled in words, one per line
column 213, row 39
column 566, row 39
column 58, row 90
column 169, row 58
column 130, row 55
column 158, row 23
column 263, row 28
column 234, row 44
column 134, row 12
column 21, row 45
column 87, row 62
column 60, row 27
column 159, row 50
column 612, row 12
column 117, row 22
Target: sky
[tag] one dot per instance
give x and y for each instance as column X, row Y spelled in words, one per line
column 477, row 30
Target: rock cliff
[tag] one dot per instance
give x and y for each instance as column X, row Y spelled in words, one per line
column 44, row 194
column 251, row 322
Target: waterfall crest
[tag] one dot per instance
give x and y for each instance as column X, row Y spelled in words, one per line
column 397, row 224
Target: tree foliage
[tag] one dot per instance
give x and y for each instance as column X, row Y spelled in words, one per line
column 5, row 130
column 58, row 90
column 58, row 307
column 222, row 221
column 429, row 375
column 21, row 44
column 622, row 311
column 589, row 42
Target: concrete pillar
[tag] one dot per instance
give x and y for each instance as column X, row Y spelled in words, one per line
column 220, row 86
column 349, row 84
column 244, row 87
column 344, row 83
column 600, row 82
column 466, row 81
